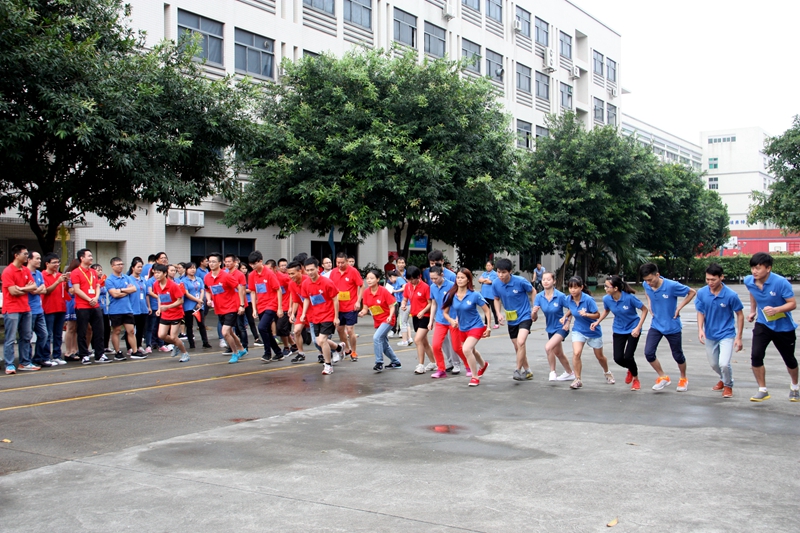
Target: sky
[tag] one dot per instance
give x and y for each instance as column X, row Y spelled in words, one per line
column 699, row 65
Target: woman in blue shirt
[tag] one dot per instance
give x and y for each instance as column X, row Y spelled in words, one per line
column 463, row 303
column 582, row 307
column 193, row 302
column 552, row 303
column 627, row 327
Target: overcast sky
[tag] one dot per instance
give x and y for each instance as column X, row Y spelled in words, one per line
column 695, row 65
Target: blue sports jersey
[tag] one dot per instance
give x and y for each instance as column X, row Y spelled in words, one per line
column 466, row 310
column 553, row 309
column 663, row 303
column 625, row 316
column 118, row 306
column 35, row 300
column 438, row 294
column 195, row 288
column 719, row 311
column 446, row 273
column 515, row 299
column 774, row 293
column 399, row 283
column 486, row 289
column 582, row 324
column 153, row 301
column 139, row 298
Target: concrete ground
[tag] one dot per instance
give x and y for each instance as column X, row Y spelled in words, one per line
column 157, row 446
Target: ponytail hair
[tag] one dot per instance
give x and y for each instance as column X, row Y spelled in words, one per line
column 620, row 284
column 577, row 281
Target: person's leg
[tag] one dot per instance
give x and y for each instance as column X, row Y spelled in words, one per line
column 174, row 332
column 353, row 341
column 630, row 350
column 577, row 366
column 650, row 347
column 55, row 333
column 39, row 326
column 130, row 332
column 139, row 321
column 713, row 348
column 420, row 339
column 11, row 325
column 675, row 341
column 82, row 325
column 201, row 327
column 325, row 347
column 251, row 322
column 405, row 324
column 24, row 344
column 230, row 337
column 115, row 337
column 341, row 330
column 241, row 330
column 758, row 350
column 724, row 361
column 107, row 332
column 265, row 321
column 561, row 356
column 96, row 320
column 71, row 340
column 451, row 360
column 380, row 341
column 188, row 320
column 601, row 358
column 785, row 342
column 439, row 335
column 473, row 357
column 619, row 342
column 522, row 350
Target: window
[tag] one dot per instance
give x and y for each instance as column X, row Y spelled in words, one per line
column 611, row 70
column 254, row 54
column 713, row 140
column 611, row 114
column 566, row 96
column 474, row 4
column 598, row 63
column 471, row 52
column 713, row 184
column 524, row 134
column 310, row 54
column 523, row 78
column 202, row 246
column 358, row 12
column 542, row 86
column 494, row 9
column 434, row 40
column 405, row 28
column 322, row 5
column 713, row 162
column 210, row 32
column 542, row 132
column 524, row 19
column 494, row 66
column 566, row 45
column 599, row 106
column 542, row 32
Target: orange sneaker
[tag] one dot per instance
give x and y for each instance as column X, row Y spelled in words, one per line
column 635, row 384
column 628, row 378
column 719, row 386
column 354, row 356
column 727, row 392
column 683, row 385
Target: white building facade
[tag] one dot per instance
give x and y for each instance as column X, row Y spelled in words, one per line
column 668, row 147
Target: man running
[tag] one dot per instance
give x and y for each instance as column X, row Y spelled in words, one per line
column 321, row 308
column 227, row 297
column 350, row 285
column 516, row 294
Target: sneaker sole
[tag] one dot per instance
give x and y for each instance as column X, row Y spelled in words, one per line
column 760, row 399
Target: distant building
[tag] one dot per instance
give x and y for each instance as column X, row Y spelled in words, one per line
column 668, row 147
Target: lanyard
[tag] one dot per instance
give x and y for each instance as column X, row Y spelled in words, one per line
column 89, row 278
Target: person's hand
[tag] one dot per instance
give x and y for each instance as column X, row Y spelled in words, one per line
column 240, row 311
column 593, row 325
column 701, row 336
column 336, row 322
column 158, row 312
column 770, row 311
column 357, row 306
column 486, row 333
column 534, row 316
column 751, row 316
column 363, row 312
column 403, row 307
column 737, row 345
column 636, row 332
column 280, row 313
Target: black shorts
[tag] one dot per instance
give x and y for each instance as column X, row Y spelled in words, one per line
column 282, row 326
column 784, row 342
column 324, row 328
column 228, row 319
column 118, row 320
column 349, row 318
column 513, row 331
column 165, row 322
column 421, row 323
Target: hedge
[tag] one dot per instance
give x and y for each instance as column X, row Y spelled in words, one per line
column 736, row 267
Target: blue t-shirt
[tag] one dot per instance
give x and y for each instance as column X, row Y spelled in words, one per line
column 515, row 299
column 146, row 269
column 467, row 310
column 774, row 293
column 138, row 298
column 200, row 273
column 663, row 303
column 195, row 288
column 625, row 316
column 582, row 324
column 720, row 312
column 486, row 288
column 119, row 306
column 399, row 283
column 446, row 273
column 553, row 309
column 35, row 300
column 539, row 273
column 438, row 294
column 153, row 301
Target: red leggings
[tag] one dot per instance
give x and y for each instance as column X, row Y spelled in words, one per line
column 439, row 334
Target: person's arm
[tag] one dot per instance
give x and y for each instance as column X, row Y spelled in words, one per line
column 500, row 315
column 59, row 280
column 336, row 321
column 254, row 303
column 280, row 302
column 737, row 342
column 602, row 317
column 753, row 309
column 689, row 297
column 305, row 309
column 242, row 300
column 359, row 293
column 638, row 329
column 433, row 315
column 534, row 309
column 788, row 307
column 701, row 327
column 488, row 314
column 426, row 309
column 446, row 313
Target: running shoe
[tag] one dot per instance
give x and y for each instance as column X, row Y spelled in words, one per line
column 496, row 326
column 474, row 382
column 420, row 369
column 719, row 386
column 335, row 357
column 794, row 395
column 391, row 334
column 48, row 363
column 727, row 392
column 378, row 367
column 86, row 360
column 430, row 366
column 528, row 375
column 661, row 382
column 566, row 376
column 102, row 359
column 11, row 369
column 683, row 385
column 60, row 361
column 393, row 365
column 138, row 355
column 299, row 358
column 327, row 370
column 222, row 343
column 456, row 370
column 182, row 336
column 340, row 347
column 517, row 375
column 266, row 358
column 184, row 358
column 469, row 372
column 119, row 357
column 609, row 378
column 280, row 356
column 760, row 396
column 293, row 350
column 234, row 358
column 108, row 351
column 576, row 384
column 628, row 378
column 30, row 367
column 405, row 343
column 321, row 359
column 553, row 376
column 258, row 343
column 286, row 351
column 206, row 345
column 635, row 385
column 150, row 350
column 482, row 370
column 353, row 356
column 439, row 374
column 164, row 349
column 175, row 351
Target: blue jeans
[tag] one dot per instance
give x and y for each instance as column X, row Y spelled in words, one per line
column 380, row 341
column 719, row 355
column 17, row 323
column 55, row 332
column 39, row 326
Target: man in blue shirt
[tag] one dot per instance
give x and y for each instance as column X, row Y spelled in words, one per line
column 486, row 280
column 120, row 309
column 436, row 258
column 717, row 307
column 662, row 300
column 446, row 359
column 516, row 294
column 41, row 355
column 771, row 304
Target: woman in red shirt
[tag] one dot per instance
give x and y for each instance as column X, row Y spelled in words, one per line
column 170, row 309
column 380, row 303
column 418, row 294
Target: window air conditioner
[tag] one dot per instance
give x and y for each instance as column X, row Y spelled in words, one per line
column 175, row 217
column 517, row 25
column 449, row 10
column 549, row 62
column 195, row 218
column 576, row 72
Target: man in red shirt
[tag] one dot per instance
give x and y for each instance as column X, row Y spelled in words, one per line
column 283, row 328
column 267, row 300
column 232, row 267
column 54, row 302
column 86, row 286
column 170, row 310
column 17, row 283
column 297, row 276
column 321, row 307
column 350, row 285
column 226, row 296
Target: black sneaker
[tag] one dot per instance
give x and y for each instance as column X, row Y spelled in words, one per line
column 138, row 355
column 206, row 345
column 286, row 352
column 394, row 365
column 321, row 359
column 86, row 360
column 266, row 359
column 293, row 349
column 299, row 358
column 102, row 359
column 280, row 356
column 378, row 367
column 119, row 356
column 228, row 350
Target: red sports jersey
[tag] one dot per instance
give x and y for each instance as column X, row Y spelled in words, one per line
column 283, row 281
column 418, row 296
column 224, row 292
column 321, row 293
column 54, row 301
column 379, row 304
column 168, row 294
column 89, row 283
column 347, row 283
column 18, row 277
column 265, row 286
column 294, row 297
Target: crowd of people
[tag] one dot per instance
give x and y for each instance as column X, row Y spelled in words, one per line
column 288, row 306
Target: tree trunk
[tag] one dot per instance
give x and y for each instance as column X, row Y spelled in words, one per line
column 45, row 237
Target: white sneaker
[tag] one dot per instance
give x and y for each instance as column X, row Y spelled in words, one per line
column 391, row 334
column 223, row 344
column 430, row 366
column 404, row 343
column 553, row 376
column 327, row 370
column 420, row 369
column 335, row 358
column 456, row 370
column 566, row 377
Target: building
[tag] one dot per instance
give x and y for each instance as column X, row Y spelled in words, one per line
column 543, row 57
column 668, row 147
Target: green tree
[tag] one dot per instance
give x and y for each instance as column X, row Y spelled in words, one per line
column 92, row 123
column 371, row 141
column 780, row 205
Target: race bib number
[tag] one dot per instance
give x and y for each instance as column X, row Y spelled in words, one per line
column 376, row 310
column 261, row 288
column 164, row 298
column 217, row 289
column 283, row 290
column 511, row 315
column 344, row 296
column 317, row 299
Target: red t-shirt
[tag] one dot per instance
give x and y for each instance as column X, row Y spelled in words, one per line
column 347, row 283
column 54, row 301
column 418, row 296
column 168, row 294
column 19, row 277
column 295, row 297
column 283, row 281
column 321, row 293
column 224, row 291
column 379, row 304
column 88, row 282
column 266, row 287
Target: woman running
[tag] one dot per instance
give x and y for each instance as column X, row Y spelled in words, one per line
column 582, row 306
column 462, row 302
column 552, row 303
column 417, row 295
column 379, row 302
column 627, row 325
